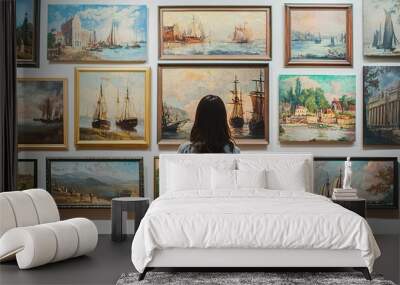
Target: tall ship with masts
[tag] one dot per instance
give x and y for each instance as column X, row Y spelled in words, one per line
column 327, row 188
column 236, row 117
column 127, row 120
column 100, row 120
column 169, row 122
column 257, row 96
column 49, row 112
column 112, row 39
column 195, row 33
column 387, row 39
column 242, row 34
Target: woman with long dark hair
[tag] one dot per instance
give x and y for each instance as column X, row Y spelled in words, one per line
column 210, row 132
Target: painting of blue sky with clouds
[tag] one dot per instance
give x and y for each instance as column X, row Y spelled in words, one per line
column 97, row 33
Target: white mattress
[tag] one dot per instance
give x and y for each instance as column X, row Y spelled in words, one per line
column 253, row 218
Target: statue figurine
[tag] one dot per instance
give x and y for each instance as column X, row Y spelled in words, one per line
column 347, row 174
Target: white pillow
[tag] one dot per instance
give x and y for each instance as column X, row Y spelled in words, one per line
column 251, row 178
column 182, row 177
column 223, row 179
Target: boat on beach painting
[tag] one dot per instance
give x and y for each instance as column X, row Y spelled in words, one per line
column 243, row 88
column 381, row 27
column 215, row 32
column 97, row 33
column 318, row 35
column 317, row 108
column 42, row 113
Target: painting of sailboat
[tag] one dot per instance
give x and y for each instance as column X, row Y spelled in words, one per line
column 215, row 32
column 244, row 89
column 97, row 33
column 42, row 113
column 381, row 28
column 112, row 107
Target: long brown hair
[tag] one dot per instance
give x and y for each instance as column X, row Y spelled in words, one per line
column 210, row 132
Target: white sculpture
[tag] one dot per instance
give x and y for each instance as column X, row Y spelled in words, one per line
column 347, row 174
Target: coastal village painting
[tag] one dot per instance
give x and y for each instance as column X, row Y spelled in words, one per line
column 318, row 35
column 215, row 32
column 112, row 107
column 376, row 179
column 243, row 88
column 97, row 33
column 381, row 105
column 42, row 116
column 26, row 174
column 317, row 108
column 92, row 183
column 381, row 27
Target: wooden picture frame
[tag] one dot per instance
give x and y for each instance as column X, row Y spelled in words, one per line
column 34, row 183
column 35, row 61
column 211, row 52
column 142, row 124
column 262, row 71
column 104, row 177
column 366, row 175
column 39, row 145
column 319, row 60
column 156, row 177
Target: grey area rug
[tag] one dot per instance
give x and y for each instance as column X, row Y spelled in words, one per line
column 269, row 278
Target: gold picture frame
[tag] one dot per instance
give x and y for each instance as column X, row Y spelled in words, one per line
column 63, row 144
column 142, row 141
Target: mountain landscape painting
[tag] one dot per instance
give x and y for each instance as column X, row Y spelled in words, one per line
column 381, row 27
column 92, row 183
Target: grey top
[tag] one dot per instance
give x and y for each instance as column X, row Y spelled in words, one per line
column 188, row 147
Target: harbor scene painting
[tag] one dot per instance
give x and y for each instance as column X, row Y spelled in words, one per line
column 244, row 89
column 26, row 174
column 41, row 116
column 376, row 179
column 318, row 35
column 97, row 33
column 317, row 108
column 381, row 105
column 215, row 33
column 112, row 107
column 381, row 27
column 92, row 183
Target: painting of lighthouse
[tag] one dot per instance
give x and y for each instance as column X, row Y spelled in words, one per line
column 381, row 28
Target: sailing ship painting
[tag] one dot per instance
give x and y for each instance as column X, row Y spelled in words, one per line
column 243, row 89
column 41, row 104
column 215, row 32
column 112, row 106
column 375, row 179
column 381, row 28
column 97, row 33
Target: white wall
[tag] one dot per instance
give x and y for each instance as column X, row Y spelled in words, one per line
column 276, row 68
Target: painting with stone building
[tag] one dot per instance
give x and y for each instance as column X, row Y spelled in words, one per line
column 381, row 105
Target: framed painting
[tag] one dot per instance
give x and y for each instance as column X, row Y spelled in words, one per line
column 27, row 32
column 156, row 177
column 112, row 107
column 319, row 35
column 93, row 182
column 375, row 178
column 381, row 28
column 381, row 106
column 26, row 174
column 95, row 33
column 215, row 32
column 243, row 88
column 42, row 117
column 317, row 108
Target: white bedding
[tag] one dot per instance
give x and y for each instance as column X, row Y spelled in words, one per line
column 251, row 218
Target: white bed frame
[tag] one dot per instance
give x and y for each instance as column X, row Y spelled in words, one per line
column 251, row 258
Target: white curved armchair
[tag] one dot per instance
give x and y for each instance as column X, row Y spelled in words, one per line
column 31, row 230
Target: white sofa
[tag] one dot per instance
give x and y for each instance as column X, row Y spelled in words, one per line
column 31, row 230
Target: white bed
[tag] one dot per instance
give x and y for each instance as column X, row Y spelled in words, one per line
column 249, row 226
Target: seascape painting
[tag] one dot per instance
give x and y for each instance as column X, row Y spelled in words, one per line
column 112, row 107
column 26, row 174
column 376, row 179
column 318, row 35
column 381, row 105
column 92, row 183
column 27, row 32
column 243, row 88
column 317, row 108
column 215, row 32
column 96, row 33
column 156, row 174
column 381, row 27
column 42, row 116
